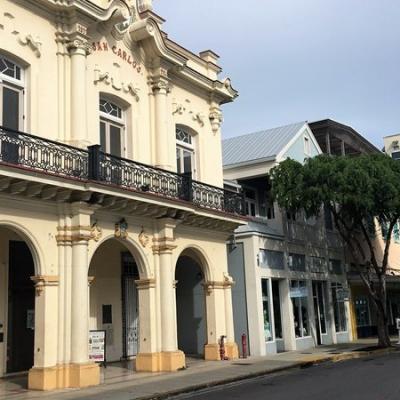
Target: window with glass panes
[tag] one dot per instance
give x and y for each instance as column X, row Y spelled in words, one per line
column 339, row 309
column 250, row 197
column 11, row 94
column 112, row 128
column 184, row 152
column 299, row 297
column 297, row 262
column 266, row 310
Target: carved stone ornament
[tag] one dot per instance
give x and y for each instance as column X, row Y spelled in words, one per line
column 7, row 23
column 96, row 232
column 215, row 119
column 121, row 229
column 144, row 238
column 34, row 43
column 180, row 109
column 108, row 79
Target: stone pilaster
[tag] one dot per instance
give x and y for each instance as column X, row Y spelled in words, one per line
column 148, row 358
column 160, row 90
column 171, row 359
column 78, row 49
column 43, row 375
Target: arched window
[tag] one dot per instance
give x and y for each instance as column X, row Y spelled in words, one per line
column 112, row 127
column 11, row 94
column 185, row 160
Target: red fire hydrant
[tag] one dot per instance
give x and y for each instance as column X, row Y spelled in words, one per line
column 244, row 346
column 222, row 348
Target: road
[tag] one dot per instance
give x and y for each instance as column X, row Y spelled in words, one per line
column 372, row 378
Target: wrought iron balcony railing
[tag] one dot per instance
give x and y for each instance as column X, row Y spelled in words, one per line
column 43, row 155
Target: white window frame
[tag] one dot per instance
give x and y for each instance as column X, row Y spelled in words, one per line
column 15, row 84
column 113, row 120
column 249, row 201
column 189, row 147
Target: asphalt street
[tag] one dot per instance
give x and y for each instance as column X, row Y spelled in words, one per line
column 371, row 378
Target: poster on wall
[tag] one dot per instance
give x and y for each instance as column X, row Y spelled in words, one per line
column 97, row 346
column 301, row 291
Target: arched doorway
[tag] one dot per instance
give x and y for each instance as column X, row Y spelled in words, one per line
column 114, row 300
column 17, row 303
column 190, row 305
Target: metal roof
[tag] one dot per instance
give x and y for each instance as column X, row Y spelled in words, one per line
column 258, row 145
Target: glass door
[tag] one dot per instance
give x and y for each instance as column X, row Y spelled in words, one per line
column 319, row 309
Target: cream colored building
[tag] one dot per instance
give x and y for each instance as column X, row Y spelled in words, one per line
column 112, row 215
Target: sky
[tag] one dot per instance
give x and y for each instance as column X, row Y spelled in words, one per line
column 297, row 60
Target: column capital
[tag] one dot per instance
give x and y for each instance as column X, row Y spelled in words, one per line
column 79, row 45
column 41, row 281
column 160, row 85
column 210, row 286
column 143, row 284
column 165, row 246
column 67, row 235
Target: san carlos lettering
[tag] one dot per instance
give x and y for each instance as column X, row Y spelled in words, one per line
column 103, row 46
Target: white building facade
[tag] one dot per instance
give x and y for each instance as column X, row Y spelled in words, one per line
column 291, row 288
column 112, row 212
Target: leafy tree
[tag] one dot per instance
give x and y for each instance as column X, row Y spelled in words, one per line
column 363, row 195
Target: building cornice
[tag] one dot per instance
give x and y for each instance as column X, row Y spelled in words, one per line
column 86, row 7
column 148, row 33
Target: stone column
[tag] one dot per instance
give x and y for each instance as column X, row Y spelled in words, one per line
column 287, row 315
column 78, row 50
column 82, row 372
column 43, row 375
column 171, row 359
column 330, row 313
column 231, row 347
column 148, row 358
column 163, row 136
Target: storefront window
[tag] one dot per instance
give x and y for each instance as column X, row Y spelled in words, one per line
column 266, row 310
column 299, row 296
column 276, row 302
column 339, row 309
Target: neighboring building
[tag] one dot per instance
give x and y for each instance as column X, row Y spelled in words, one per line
column 290, row 274
column 392, row 146
column 113, row 216
column 339, row 139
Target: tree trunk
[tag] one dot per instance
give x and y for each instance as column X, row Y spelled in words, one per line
column 380, row 304
column 383, row 330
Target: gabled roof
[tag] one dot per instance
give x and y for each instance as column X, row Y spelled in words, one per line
column 355, row 143
column 258, row 146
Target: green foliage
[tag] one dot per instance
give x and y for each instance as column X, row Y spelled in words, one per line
column 358, row 187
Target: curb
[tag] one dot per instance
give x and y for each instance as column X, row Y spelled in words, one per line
column 356, row 354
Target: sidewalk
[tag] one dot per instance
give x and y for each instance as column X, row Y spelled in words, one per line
column 121, row 383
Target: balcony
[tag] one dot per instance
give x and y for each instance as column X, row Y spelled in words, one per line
column 29, row 152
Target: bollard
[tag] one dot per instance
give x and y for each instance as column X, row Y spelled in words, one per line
column 244, row 346
column 222, row 348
